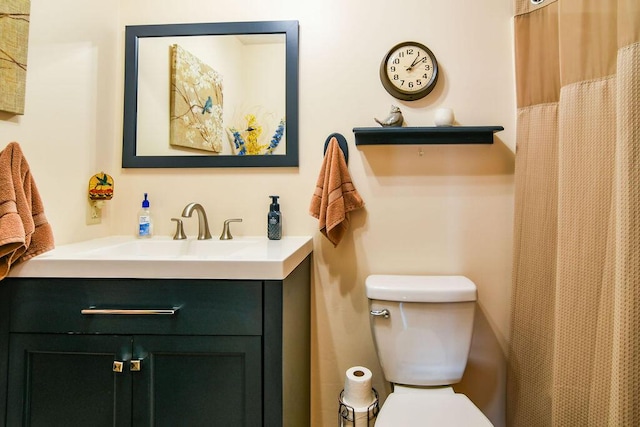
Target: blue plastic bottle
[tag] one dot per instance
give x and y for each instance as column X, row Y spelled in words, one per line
column 145, row 221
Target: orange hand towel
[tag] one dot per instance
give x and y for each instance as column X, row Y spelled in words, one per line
column 334, row 196
column 24, row 230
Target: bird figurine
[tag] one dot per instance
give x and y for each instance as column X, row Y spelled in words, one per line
column 208, row 105
column 394, row 119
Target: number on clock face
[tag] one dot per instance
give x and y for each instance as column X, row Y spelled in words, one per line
column 409, row 71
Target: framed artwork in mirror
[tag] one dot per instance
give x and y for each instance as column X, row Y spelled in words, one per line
column 211, row 95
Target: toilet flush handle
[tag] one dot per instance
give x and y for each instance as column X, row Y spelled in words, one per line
column 377, row 313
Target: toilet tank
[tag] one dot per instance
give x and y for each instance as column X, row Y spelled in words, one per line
column 423, row 337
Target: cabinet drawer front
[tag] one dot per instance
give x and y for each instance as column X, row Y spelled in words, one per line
column 137, row 306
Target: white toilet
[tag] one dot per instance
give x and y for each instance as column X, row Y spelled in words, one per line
column 422, row 327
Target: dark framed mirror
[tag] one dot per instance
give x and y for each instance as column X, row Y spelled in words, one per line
column 211, row 95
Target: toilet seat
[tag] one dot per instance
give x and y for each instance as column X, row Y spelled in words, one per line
column 421, row 410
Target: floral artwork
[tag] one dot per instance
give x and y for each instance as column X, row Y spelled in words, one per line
column 14, row 37
column 196, row 103
column 249, row 144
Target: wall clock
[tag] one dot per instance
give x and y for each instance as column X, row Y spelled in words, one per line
column 409, row 71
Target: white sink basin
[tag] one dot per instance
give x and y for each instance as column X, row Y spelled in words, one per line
column 161, row 257
column 170, row 249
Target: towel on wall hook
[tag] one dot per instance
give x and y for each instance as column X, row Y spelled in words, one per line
column 335, row 195
column 342, row 143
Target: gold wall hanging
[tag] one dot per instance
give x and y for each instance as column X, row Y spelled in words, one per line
column 14, row 38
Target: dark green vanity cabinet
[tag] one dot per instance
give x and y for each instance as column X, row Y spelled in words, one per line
column 233, row 353
column 4, row 348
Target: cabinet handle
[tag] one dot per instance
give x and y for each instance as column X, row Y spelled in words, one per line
column 130, row 311
column 135, row 365
column 118, row 366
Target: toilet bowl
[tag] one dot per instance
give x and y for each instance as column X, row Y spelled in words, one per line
column 422, row 328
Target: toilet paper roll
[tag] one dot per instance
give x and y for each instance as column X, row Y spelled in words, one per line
column 357, row 388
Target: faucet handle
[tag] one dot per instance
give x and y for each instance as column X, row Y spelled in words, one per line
column 226, row 233
column 179, row 230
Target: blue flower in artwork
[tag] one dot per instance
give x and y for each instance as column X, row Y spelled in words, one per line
column 208, row 106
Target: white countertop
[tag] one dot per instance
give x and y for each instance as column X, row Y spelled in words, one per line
column 250, row 258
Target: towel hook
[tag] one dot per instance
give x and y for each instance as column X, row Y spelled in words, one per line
column 342, row 143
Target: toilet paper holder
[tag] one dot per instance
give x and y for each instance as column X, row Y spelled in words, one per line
column 347, row 413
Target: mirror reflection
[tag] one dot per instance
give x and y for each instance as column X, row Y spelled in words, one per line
column 207, row 95
column 202, row 89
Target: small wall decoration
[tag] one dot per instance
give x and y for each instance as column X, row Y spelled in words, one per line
column 101, row 187
column 100, row 190
column 14, row 38
column 196, row 103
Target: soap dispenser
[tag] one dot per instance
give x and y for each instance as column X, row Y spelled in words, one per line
column 145, row 222
column 274, row 220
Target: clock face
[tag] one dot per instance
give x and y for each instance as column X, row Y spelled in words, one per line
column 409, row 71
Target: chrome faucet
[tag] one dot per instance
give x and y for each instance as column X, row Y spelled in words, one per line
column 203, row 224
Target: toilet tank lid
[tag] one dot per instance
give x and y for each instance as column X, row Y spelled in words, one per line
column 420, row 288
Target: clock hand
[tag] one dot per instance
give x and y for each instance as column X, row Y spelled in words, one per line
column 415, row 61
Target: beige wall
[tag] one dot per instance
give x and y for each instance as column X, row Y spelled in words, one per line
column 447, row 211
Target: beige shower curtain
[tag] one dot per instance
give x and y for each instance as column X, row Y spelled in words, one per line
column 575, row 344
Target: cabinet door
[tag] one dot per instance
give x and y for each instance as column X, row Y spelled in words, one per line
column 68, row 380
column 197, row 381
